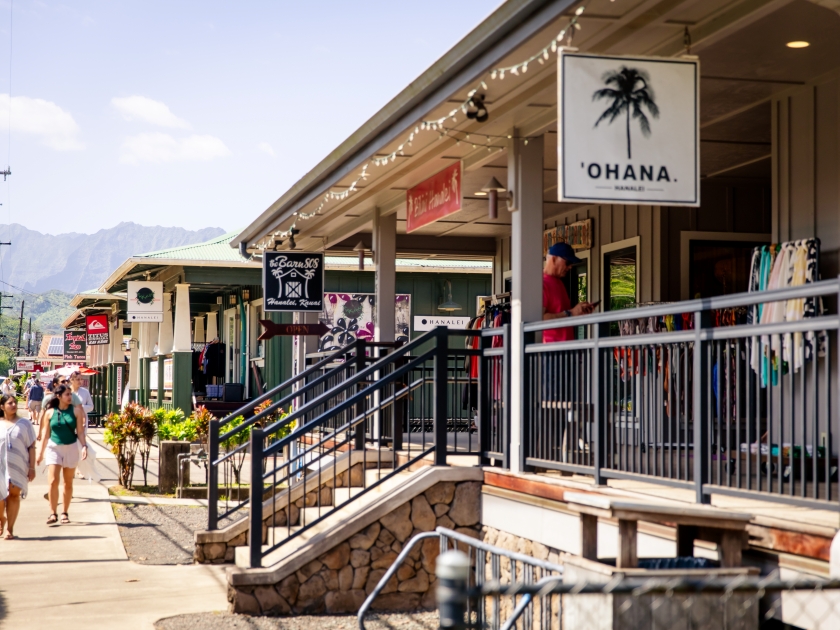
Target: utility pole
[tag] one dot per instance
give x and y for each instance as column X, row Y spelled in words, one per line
column 29, row 339
column 20, row 326
column 3, row 295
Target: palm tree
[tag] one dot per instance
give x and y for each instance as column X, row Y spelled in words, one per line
column 628, row 98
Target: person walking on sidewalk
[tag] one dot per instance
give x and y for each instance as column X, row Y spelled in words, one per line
column 17, row 447
column 57, row 381
column 34, row 399
column 63, row 426
column 87, row 467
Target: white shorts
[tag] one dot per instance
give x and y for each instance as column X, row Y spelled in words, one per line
column 34, row 406
column 64, row 455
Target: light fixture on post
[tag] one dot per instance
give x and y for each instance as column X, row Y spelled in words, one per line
column 360, row 249
column 449, row 305
column 292, row 232
column 493, row 188
column 278, row 243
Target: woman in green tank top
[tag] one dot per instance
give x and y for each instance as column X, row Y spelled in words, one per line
column 63, row 427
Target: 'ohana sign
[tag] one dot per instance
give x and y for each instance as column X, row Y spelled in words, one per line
column 628, row 129
column 293, row 282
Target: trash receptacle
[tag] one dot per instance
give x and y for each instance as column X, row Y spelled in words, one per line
column 234, row 392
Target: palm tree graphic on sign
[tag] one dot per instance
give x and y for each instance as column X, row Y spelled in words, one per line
column 631, row 92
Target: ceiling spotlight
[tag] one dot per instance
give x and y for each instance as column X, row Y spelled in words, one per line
column 476, row 110
column 798, row 44
column 292, row 232
column 480, row 193
column 278, row 243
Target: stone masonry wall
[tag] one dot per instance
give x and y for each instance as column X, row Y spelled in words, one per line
column 222, row 552
column 340, row 580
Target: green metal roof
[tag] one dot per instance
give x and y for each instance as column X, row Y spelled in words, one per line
column 217, row 249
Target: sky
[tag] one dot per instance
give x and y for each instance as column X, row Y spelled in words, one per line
column 194, row 113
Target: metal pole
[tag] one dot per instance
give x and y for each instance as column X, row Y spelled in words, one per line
column 453, row 573
column 20, row 326
column 256, row 511
column 361, row 363
column 441, row 373
column 700, row 410
column 213, row 476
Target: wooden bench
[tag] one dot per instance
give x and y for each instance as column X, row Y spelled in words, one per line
column 727, row 529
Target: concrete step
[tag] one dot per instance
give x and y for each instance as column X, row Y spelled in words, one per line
column 333, row 517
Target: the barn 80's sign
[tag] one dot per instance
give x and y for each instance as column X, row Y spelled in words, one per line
column 293, row 282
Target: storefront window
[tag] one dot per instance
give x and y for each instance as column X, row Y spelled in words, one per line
column 719, row 267
column 620, row 286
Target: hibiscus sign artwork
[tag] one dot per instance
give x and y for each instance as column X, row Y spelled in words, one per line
column 351, row 316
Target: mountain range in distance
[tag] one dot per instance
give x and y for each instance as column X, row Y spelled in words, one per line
column 74, row 262
column 47, row 270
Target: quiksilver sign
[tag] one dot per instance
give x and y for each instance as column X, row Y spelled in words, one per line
column 628, row 129
column 293, row 282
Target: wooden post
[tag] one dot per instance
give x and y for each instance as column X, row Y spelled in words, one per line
column 589, row 537
column 686, row 535
column 627, row 558
column 729, row 548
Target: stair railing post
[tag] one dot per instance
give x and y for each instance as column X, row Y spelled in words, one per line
column 506, row 399
column 213, row 476
column 700, row 408
column 256, row 506
column 361, row 363
column 485, row 399
column 440, row 397
column 599, row 401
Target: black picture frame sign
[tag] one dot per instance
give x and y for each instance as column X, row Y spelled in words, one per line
column 293, row 282
column 75, row 346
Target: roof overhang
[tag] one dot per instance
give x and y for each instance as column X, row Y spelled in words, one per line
column 158, row 264
column 502, row 32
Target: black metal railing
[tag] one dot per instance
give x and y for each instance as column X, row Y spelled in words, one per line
column 225, row 468
column 737, row 409
column 329, row 461
column 494, row 404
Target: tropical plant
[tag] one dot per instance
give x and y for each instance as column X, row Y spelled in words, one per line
column 201, row 417
column 237, row 439
column 632, row 92
column 146, row 428
column 123, row 435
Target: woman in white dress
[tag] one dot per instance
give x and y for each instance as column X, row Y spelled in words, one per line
column 17, row 443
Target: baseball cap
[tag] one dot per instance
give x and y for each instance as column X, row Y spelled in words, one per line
column 564, row 251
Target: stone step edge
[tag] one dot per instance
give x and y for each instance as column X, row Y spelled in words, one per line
column 344, row 462
column 418, row 482
column 333, row 519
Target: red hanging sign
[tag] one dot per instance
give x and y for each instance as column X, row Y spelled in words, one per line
column 433, row 199
column 98, row 330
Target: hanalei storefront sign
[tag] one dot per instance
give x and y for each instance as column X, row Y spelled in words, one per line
column 293, row 282
column 437, row 197
column 145, row 301
column 628, row 129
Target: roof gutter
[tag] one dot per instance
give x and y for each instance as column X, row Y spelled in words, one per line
column 506, row 29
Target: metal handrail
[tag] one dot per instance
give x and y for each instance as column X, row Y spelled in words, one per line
column 466, row 540
column 813, row 289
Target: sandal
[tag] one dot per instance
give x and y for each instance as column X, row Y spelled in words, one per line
column 65, row 520
column 53, row 519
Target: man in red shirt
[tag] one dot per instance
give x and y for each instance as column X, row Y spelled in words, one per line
column 556, row 305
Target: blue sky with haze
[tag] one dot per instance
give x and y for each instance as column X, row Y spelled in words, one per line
column 195, row 114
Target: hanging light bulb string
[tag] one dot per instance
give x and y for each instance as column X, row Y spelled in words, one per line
column 437, row 126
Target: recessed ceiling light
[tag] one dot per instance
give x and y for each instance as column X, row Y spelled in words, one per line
column 798, row 44
column 480, row 193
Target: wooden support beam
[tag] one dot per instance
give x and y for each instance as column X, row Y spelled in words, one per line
column 686, row 535
column 589, row 536
column 627, row 557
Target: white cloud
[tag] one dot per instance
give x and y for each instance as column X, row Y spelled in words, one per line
column 266, row 148
column 161, row 147
column 56, row 127
column 148, row 110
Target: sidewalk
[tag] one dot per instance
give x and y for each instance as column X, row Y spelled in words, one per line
column 78, row 575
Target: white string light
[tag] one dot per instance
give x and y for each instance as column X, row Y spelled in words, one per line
column 435, row 126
